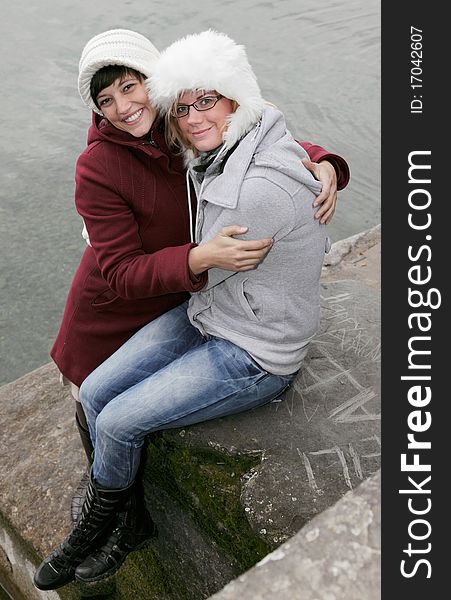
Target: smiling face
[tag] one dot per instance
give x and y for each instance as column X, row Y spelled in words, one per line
column 204, row 129
column 126, row 105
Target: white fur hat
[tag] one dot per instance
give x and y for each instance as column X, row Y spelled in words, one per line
column 209, row 61
column 121, row 47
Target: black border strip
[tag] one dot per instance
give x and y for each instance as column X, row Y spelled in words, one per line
column 415, row 125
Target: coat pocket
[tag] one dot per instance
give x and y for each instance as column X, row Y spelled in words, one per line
column 107, row 300
column 247, row 301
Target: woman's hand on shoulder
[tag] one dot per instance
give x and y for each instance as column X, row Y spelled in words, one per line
column 225, row 252
column 324, row 172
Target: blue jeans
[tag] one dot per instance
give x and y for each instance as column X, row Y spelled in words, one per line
column 167, row 375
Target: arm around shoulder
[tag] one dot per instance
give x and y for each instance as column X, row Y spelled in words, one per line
column 114, row 235
column 318, row 154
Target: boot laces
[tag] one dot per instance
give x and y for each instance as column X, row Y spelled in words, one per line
column 62, row 557
column 111, row 544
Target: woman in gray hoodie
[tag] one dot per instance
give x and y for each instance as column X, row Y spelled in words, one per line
column 240, row 341
column 244, row 166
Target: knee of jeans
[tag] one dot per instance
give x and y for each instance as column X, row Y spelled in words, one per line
column 85, row 395
column 110, row 427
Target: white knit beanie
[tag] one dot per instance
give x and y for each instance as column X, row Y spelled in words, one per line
column 209, row 61
column 121, row 47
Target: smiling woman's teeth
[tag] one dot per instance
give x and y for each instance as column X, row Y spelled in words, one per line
column 133, row 117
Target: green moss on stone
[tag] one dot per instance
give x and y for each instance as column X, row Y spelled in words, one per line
column 143, row 576
column 206, row 483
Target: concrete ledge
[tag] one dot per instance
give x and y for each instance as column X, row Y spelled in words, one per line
column 335, row 556
column 40, row 468
column 17, row 566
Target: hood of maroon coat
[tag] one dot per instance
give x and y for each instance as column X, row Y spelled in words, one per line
column 102, row 130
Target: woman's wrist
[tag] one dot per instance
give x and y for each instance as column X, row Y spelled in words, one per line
column 197, row 261
column 340, row 167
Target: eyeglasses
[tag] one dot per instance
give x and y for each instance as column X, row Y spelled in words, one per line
column 204, row 103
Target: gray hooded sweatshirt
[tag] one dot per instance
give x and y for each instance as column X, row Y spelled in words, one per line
column 272, row 312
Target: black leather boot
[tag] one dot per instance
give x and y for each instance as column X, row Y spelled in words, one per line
column 80, row 493
column 85, row 438
column 99, row 512
column 78, row 498
column 134, row 529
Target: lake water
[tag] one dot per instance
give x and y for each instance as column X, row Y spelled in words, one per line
column 318, row 61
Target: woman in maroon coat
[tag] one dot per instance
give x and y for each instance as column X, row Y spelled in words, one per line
column 131, row 193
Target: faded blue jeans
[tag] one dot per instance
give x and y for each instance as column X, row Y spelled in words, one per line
column 167, row 375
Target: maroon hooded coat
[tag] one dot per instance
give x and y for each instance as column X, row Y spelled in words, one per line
column 132, row 196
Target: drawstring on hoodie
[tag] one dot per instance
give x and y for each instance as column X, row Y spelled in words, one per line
column 190, row 210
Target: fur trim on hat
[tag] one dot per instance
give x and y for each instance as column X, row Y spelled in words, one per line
column 209, row 61
column 121, row 47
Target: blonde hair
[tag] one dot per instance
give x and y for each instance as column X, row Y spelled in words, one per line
column 175, row 139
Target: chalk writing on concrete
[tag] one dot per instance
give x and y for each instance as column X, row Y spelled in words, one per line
column 343, row 328
column 350, row 462
column 347, row 411
column 310, row 474
column 335, row 369
column 320, row 372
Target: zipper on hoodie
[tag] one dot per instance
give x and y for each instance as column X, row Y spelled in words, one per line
column 200, row 216
column 257, row 129
column 201, row 203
